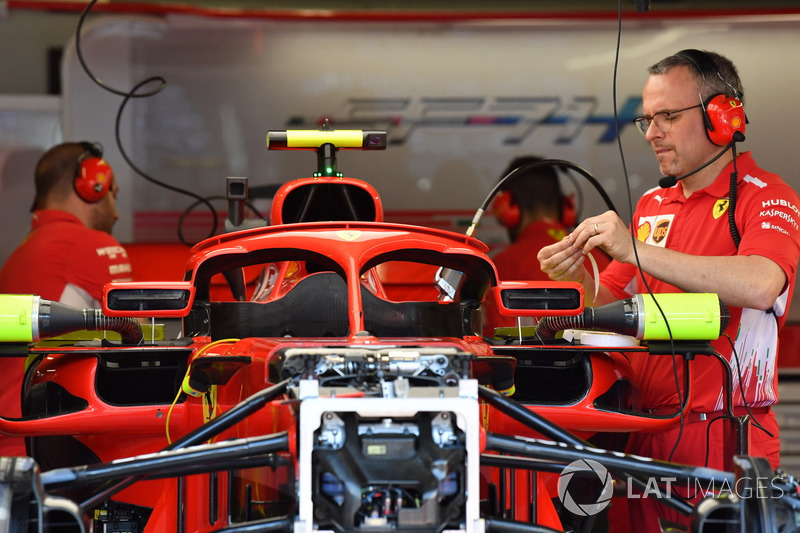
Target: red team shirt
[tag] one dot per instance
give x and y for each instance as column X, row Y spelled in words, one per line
column 59, row 253
column 60, row 260
column 767, row 219
column 767, row 216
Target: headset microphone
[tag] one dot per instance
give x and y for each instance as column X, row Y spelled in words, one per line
column 670, row 181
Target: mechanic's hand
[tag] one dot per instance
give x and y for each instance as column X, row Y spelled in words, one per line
column 563, row 261
column 607, row 232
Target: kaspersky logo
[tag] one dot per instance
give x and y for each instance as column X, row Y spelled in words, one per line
column 574, row 476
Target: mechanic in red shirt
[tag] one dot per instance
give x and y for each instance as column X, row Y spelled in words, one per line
column 536, row 213
column 69, row 253
column 685, row 242
column 531, row 208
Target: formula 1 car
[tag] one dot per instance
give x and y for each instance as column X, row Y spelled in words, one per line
column 313, row 395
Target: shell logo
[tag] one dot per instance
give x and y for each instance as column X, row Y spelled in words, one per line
column 643, row 232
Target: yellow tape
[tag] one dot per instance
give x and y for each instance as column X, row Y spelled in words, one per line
column 17, row 317
column 312, row 138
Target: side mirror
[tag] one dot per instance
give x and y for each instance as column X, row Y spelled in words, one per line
column 538, row 298
column 148, row 299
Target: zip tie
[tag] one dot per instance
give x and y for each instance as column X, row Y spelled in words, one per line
column 595, row 275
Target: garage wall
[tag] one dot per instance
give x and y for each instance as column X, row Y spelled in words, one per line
column 458, row 99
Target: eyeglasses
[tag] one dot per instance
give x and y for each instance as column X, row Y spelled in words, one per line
column 663, row 120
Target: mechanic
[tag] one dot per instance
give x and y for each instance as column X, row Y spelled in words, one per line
column 69, row 254
column 536, row 213
column 685, row 242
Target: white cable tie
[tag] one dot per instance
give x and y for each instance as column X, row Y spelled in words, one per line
column 595, row 275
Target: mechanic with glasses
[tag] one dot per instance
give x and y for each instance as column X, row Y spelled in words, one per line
column 663, row 119
column 718, row 223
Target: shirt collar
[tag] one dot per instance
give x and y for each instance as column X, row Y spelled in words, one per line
column 721, row 186
column 47, row 216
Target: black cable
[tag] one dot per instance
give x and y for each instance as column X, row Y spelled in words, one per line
column 732, row 199
column 207, row 199
column 546, row 163
column 756, row 423
column 688, row 497
column 708, row 438
column 127, row 95
column 579, row 200
column 681, row 400
column 730, row 414
column 97, row 80
column 149, row 178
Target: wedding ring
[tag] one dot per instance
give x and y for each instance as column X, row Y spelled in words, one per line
column 596, row 231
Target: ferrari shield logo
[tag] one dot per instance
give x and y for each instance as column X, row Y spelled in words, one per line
column 720, row 207
column 348, row 235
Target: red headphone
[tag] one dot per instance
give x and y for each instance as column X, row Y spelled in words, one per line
column 93, row 176
column 723, row 115
column 507, row 211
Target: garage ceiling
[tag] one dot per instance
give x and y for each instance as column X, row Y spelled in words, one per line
column 454, row 8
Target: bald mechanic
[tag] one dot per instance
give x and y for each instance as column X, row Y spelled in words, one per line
column 69, row 253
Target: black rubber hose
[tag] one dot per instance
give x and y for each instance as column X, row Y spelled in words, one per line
column 57, row 319
column 548, row 326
